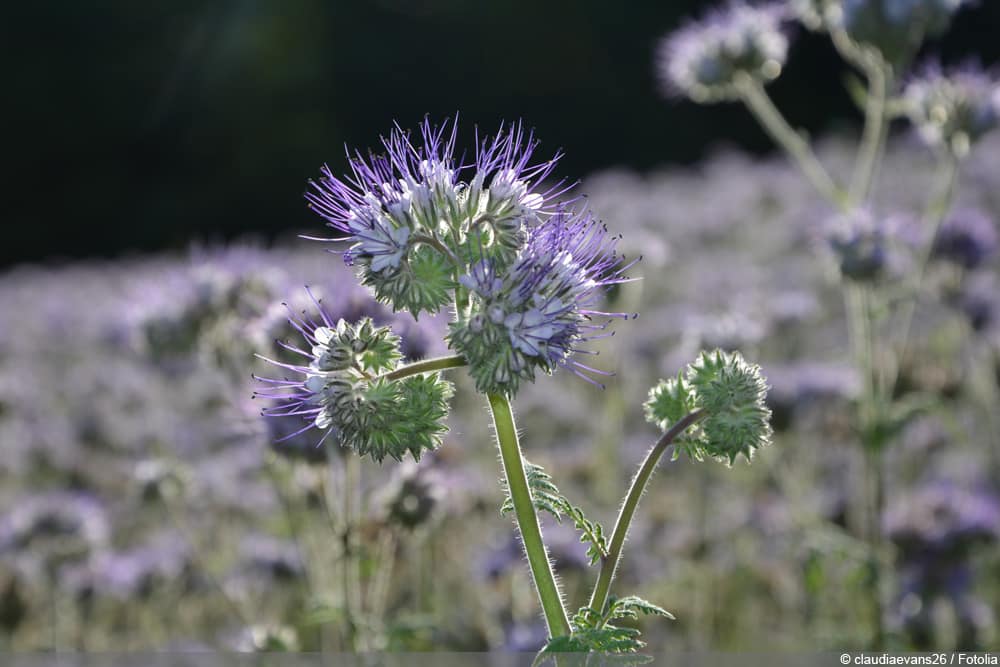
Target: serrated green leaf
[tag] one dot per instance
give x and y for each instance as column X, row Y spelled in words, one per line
column 608, row 639
column 631, row 606
column 547, row 498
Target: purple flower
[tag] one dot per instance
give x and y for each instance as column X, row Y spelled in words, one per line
column 536, row 313
column 298, row 394
column 979, row 300
column 943, row 520
column 135, row 572
column 339, row 384
column 859, row 242
column 64, row 520
column 952, row 109
column 270, row 557
column 411, row 213
column 968, row 237
column 707, row 60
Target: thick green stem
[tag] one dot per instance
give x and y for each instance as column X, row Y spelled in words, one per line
column 783, row 134
column 426, row 366
column 527, row 519
column 609, row 563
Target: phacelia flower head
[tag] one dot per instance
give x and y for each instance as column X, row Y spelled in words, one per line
column 342, row 387
column 412, row 214
column 708, row 60
column 536, row 313
column 967, row 238
column 953, row 109
column 895, row 27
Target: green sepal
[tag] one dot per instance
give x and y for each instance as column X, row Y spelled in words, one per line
column 422, row 282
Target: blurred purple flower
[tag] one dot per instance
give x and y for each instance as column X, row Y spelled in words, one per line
column 968, row 238
column 707, row 60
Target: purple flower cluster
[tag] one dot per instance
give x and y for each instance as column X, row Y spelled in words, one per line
column 412, row 213
column 535, row 314
column 967, row 238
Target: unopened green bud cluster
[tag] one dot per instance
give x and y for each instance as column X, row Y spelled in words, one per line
column 371, row 413
column 730, row 394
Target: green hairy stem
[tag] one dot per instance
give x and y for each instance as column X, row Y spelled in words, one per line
column 609, row 563
column 527, row 519
column 426, row 366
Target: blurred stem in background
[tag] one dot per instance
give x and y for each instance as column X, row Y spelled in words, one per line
column 864, row 324
column 877, row 366
column 934, row 215
column 792, row 141
column 351, row 560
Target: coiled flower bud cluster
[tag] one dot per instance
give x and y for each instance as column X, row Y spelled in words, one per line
column 345, row 390
column 729, row 393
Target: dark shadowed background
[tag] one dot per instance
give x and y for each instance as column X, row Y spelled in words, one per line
column 143, row 126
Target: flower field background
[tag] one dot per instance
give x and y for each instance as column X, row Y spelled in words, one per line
column 144, row 503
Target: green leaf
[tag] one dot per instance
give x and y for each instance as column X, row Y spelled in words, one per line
column 631, row 606
column 546, row 497
column 544, row 494
column 609, row 639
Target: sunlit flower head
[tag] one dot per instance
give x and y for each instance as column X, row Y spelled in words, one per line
column 535, row 314
column 409, row 211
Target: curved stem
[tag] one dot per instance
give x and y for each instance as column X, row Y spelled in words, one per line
column 783, row 134
column 426, row 366
column 609, row 563
column 437, row 245
column 527, row 519
column 874, row 134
